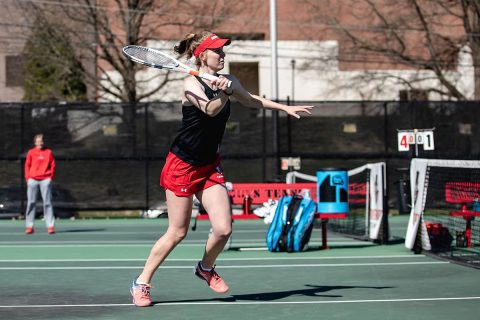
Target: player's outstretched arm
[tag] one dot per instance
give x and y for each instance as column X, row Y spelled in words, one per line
column 251, row 100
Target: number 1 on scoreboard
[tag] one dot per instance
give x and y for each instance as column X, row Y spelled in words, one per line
column 428, row 143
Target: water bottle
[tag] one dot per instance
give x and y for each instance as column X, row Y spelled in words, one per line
column 247, row 202
column 306, row 193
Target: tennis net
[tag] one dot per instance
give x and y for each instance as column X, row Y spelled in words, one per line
column 367, row 218
column 445, row 205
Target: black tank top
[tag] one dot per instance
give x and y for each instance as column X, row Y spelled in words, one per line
column 200, row 135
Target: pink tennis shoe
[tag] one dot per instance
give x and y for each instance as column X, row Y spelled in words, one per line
column 140, row 294
column 214, row 281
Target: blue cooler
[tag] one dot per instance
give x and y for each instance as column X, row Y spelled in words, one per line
column 332, row 191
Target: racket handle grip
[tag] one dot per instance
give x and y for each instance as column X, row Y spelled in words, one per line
column 212, row 77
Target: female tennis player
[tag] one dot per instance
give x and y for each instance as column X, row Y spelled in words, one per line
column 193, row 164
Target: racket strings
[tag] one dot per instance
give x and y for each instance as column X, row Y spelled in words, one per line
column 151, row 57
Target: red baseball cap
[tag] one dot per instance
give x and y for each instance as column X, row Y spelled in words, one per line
column 211, row 42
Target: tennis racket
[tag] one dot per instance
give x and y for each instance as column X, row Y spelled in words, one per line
column 156, row 59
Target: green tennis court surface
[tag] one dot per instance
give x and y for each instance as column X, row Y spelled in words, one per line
column 84, row 272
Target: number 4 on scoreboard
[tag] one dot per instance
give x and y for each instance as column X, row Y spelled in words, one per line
column 405, row 139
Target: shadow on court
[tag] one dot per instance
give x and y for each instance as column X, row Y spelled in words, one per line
column 80, row 230
column 396, row 240
column 312, row 291
column 339, row 246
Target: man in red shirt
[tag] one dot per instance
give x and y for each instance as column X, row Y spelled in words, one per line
column 39, row 172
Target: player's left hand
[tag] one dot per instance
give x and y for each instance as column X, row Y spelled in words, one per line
column 295, row 110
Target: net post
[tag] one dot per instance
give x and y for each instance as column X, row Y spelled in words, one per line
column 417, row 246
column 324, row 223
column 386, row 230
column 386, row 227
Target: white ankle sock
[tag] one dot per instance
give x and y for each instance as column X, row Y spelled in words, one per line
column 140, row 282
column 203, row 268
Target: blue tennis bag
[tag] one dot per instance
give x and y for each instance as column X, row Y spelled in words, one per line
column 292, row 224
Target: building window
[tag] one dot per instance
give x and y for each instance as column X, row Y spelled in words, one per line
column 243, row 36
column 14, row 72
column 413, row 95
column 247, row 74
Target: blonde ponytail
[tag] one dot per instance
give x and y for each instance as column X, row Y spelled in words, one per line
column 189, row 43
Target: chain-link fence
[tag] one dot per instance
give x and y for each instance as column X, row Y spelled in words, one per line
column 109, row 156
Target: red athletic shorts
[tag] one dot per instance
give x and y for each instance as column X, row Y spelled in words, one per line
column 184, row 179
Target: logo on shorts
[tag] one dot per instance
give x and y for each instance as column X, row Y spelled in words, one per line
column 219, row 172
column 183, row 189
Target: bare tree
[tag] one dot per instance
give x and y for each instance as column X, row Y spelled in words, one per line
column 420, row 35
column 100, row 28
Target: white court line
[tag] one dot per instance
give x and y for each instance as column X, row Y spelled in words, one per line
column 124, row 241
column 112, row 241
column 254, row 249
column 239, row 267
column 239, row 303
column 202, row 240
column 220, row 259
column 81, row 232
column 149, row 244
